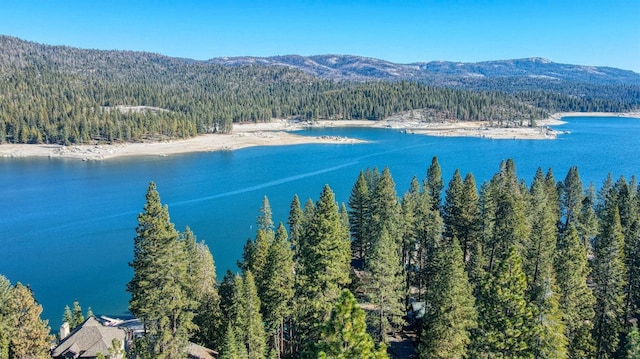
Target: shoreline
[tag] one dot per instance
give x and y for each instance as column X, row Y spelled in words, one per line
column 277, row 133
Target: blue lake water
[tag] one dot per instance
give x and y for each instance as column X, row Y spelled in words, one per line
column 67, row 226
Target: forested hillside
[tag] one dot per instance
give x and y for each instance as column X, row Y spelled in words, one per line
column 504, row 270
column 59, row 94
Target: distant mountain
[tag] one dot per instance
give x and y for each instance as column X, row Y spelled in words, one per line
column 357, row 68
column 61, row 94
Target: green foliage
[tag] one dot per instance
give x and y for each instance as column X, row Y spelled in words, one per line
column 506, row 322
column 384, row 286
column 609, row 280
column 632, row 349
column 250, row 331
column 576, row 299
column 324, row 265
column 433, row 185
column 451, row 313
column 202, row 288
column 359, row 214
column 160, row 286
column 344, row 336
column 278, row 293
column 28, row 334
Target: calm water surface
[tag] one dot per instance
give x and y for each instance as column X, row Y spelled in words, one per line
column 67, row 226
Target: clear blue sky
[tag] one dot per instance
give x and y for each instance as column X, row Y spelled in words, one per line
column 585, row 32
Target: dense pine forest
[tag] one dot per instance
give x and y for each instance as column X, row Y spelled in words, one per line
column 549, row 269
column 64, row 95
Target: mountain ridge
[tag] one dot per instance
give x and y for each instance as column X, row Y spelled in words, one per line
column 362, row 68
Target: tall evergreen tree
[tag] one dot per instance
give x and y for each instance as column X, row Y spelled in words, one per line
column 433, row 185
column 384, row 286
column 28, row 333
column 359, row 214
column 385, row 211
column 609, row 280
column 632, row 349
column 159, row 287
column 571, row 198
column 5, row 292
column 249, row 324
column 295, row 226
column 278, row 295
column 344, row 335
column 576, row 298
column 451, row 312
column 325, row 268
column 550, row 340
column 77, row 318
column 506, row 321
column 202, row 287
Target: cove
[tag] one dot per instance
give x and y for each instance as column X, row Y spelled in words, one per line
column 67, row 226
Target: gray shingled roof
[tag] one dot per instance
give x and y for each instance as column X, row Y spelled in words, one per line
column 89, row 339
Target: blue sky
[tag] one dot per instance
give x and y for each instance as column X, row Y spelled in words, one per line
column 585, row 32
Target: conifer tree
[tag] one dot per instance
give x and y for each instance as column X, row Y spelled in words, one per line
column 506, row 322
column 159, row 287
column 278, row 295
column 359, row 214
column 28, row 333
column 5, row 292
column 230, row 348
column 202, row 287
column 451, row 312
column 76, row 318
column 409, row 214
column 384, row 286
column 324, row 267
column 385, row 211
column 576, row 298
column 226, row 290
column 67, row 316
column 433, row 185
column 609, row 280
column 632, row 349
column 344, row 334
column 588, row 221
column 250, row 328
column 295, row 226
column 571, row 198
column 550, row 340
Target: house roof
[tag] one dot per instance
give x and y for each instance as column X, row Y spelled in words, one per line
column 88, row 339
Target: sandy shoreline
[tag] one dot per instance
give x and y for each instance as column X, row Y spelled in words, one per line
column 275, row 134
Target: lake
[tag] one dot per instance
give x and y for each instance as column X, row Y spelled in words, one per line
column 67, row 226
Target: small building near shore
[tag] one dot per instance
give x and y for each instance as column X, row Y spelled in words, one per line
column 89, row 339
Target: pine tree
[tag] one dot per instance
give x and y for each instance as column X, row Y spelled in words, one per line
column 5, row 292
column 550, row 341
column 251, row 332
column 295, row 226
column 506, row 322
column 28, row 334
column 278, row 295
column 609, row 280
column 576, row 298
column 67, row 316
column 433, row 185
column 324, row 265
column 202, row 287
column 159, row 287
column 409, row 211
column 385, row 211
column 344, row 334
column 451, row 312
column 571, row 198
column 90, row 313
column 230, row 348
column 632, row 349
column 359, row 214
column 76, row 318
column 384, row 286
